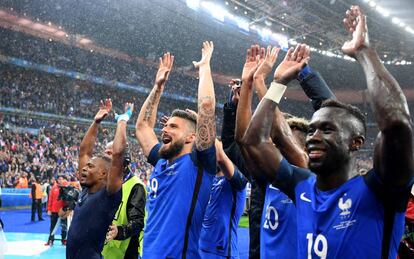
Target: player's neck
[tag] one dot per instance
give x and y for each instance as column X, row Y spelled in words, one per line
column 96, row 187
column 335, row 177
column 183, row 152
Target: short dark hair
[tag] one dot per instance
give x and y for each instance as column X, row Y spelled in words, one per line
column 185, row 115
column 350, row 109
column 107, row 160
column 300, row 124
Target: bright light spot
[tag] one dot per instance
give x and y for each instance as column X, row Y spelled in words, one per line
column 227, row 3
column 372, row 4
column 216, row 11
column 395, row 20
column 320, row 43
column 304, row 37
column 193, row 4
column 385, row 55
column 293, row 42
column 245, row 12
column 242, row 24
column 402, row 24
column 382, row 11
column 235, row 8
column 403, row 62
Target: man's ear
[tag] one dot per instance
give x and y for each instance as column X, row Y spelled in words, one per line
column 357, row 143
column 190, row 138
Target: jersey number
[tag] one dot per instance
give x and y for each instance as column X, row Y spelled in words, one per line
column 272, row 218
column 154, row 187
column 320, row 247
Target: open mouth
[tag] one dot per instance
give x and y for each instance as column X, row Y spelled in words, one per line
column 166, row 139
column 315, row 153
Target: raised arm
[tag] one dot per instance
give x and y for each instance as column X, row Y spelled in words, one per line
column 115, row 174
column 224, row 163
column 255, row 55
column 393, row 156
column 257, row 142
column 281, row 133
column 88, row 141
column 144, row 128
column 206, row 121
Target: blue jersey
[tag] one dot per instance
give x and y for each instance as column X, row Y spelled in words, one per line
column 169, row 201
column 92, row 217
column 225, row 207
column 346, row 222
column 278, row 229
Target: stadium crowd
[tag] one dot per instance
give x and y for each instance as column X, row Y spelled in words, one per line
column 49, row 153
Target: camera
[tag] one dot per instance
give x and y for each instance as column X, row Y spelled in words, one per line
column 70, row 195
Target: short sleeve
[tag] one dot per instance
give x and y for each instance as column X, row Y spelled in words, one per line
column 398, row 197
column 238, row 181
column 206, row 159
column 288, row 176
column 153, row 155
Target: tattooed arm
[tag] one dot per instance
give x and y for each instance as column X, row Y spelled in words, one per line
column 144, row 128
column 206, row 124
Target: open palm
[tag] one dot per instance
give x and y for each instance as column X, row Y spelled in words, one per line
column 355, row 24
column 164, row 69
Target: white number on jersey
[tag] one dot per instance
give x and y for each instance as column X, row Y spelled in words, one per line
column 154, row 187
column 272, row 218
column 320, row 247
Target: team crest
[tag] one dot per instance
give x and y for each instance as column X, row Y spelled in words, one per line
column 344, row 205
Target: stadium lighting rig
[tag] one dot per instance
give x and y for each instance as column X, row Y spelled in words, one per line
column 220, row 13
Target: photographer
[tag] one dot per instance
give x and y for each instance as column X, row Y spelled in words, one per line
column 56, row 204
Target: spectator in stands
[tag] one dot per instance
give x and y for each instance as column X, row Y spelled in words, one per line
column 22, row 182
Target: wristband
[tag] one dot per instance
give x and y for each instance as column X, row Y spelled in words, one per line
column 125, row 116
column 275, row 92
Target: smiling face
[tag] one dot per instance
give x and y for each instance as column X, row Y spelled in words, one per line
column 330, row 140
column 94, row 172
column 176, row 134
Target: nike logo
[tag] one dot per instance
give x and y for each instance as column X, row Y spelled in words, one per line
column 303, row 198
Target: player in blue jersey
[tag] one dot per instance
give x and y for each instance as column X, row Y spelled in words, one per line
column 185, row 163
column 218, row 238
column 340, row 216
column 278, row 223
column 101, row 179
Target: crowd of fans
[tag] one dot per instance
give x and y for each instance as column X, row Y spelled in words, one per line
column 51, row 151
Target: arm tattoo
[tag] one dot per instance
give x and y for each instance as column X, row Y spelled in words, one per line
column 206, row 124
column 153, row 100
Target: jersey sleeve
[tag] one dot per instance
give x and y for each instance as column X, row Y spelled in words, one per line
column 288, row 176
column 398, row 197
column 238, row 181
column 153, row 156
column 206, row 159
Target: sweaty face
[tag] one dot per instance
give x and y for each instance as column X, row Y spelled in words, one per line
column 173, row 137
column 93, row 173
column 328, row 140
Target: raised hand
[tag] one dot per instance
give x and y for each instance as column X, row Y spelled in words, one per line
column 355, row 24
column 104, row 109
column 255, row 56
column 206, row 53
column 128, row 108
column 164, row 69
column 266, row 64
column 164, row 120
column 292, row 64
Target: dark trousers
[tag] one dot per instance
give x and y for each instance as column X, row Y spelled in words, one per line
column 37, row 205
column 63, row 225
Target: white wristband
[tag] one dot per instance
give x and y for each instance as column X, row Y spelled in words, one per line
column 275, row 92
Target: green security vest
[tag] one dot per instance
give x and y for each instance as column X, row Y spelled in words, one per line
column 117, row 248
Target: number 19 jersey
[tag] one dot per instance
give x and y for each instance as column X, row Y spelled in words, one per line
column 346, row 222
